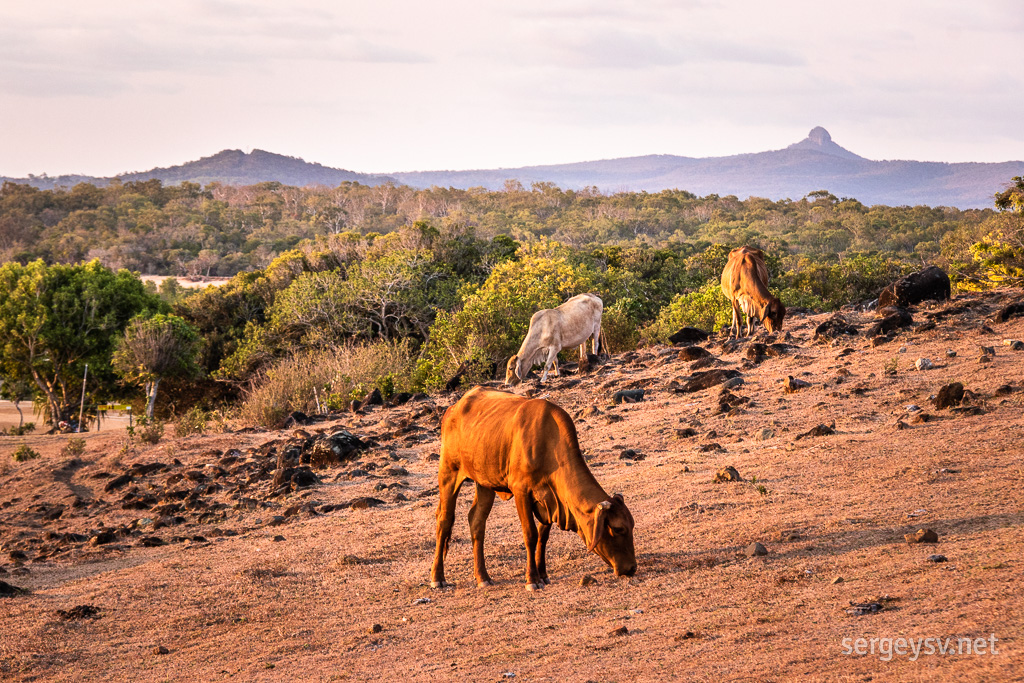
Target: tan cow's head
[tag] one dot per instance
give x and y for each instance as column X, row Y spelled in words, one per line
column 774, row 312
column 512, row 371
column 613, row 535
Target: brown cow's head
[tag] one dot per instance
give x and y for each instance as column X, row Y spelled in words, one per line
column 512, row 371
column 613, row 536
column 774, row 312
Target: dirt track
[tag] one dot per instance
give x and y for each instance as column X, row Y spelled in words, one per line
column 239, row 604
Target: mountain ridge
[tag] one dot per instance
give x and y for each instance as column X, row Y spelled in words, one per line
column 815, row 163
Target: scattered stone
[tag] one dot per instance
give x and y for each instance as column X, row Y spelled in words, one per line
column 1017, row 345
column 588, row 580
column 936, row 558
column 628, row 396
column 689, row 335
column 984, row 358
column 1004, row 389
column 858, row 609
column 881, row 339
column 922, row 536
column 376, row 628
column 152, row 542
column 276, row 520
column 365, row 503
column 9, row 591
column 688, row 353
column 161, row 650
column 710, row 448
column 950, row 395
column 630, row 454
column 793, row 385
column 79, row 612
column 756, row 352
column 700, row 381
column 103, row 537
column 836, row 580
column 373, row 398
column 686, row 433
column 820, row 430
column 924, row 364
column 732, row 383
column 621, row 631
column 118, row 482
column 727, row 474
column 1007, row 312
column 950, row 353
column 834, row 327
column 421, row 601
column 921, row 418
column 685, row 636
column 755, row 549
column 894, row 319
column 988, row 350
column 764, row 434
column 278, row 538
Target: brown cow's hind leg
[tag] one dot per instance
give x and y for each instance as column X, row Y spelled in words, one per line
column 449, row 482
column 542, row 546
column 524, row 506
column 482, row 502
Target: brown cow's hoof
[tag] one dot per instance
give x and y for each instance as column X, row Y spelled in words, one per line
column 440, row 584
column 484, row 584
column 534, row 586
column 546, row 581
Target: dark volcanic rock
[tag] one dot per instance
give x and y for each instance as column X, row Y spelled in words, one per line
column 950, row 395
column 894, row 319
column 628, row 396
column 335, row 448
column 688, row 353
column 834, row 327
column 79, row 612
column 118, row 482
column 9, row 591
column 699, row 381
column 373, row 398
column 820, row 430
column 929, row 283
column 1007, row 312
column 365, row 503
column 689, row 335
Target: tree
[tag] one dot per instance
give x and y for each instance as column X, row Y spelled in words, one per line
column 54, row 320
column 155, row 348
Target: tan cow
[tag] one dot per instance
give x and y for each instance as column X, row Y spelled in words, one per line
column 745, row 284
column 527, row 449
column 554, row 329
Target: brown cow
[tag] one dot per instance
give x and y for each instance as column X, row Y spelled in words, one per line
column 745, row 284
column 526, row 448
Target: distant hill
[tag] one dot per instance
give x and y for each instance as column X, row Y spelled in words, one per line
column 229, row 167
column 815, row 163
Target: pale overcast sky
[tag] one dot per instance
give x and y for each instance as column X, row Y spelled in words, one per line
column 113, row 86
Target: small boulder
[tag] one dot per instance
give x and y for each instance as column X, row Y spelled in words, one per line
column 793, row 385
column 755, row 549
column 936, row 558
column 922, row 536
column 950, row 395
column 688, row 353
column 689, row 335
column 628, row 396
column 727, row 474
column 588, row 580
column 924, row 364
column 819, row 430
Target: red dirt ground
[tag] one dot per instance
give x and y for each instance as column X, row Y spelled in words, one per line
column 242, row 605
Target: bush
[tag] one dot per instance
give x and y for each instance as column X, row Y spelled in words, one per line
column 151, row 431
column 332, row 377
column 73, row 447
column 705, row 308
column 24, row 454
column 19, row 431
column 192, row 422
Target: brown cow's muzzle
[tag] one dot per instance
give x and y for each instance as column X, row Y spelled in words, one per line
column 626, row 571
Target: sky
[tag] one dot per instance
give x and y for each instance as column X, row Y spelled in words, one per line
column 110, row 86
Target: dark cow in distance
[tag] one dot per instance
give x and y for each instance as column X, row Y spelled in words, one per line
column 929, row 283
column 527, row 449
column 745, row 284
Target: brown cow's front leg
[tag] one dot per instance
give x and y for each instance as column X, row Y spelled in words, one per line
column 447, row 494
column 524, row 506
column 735, row 329
column 542, row 547
column 482, row 503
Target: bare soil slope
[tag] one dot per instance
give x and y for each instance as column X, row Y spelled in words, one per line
column 209, row 561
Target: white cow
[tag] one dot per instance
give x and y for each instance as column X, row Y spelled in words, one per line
column 554, row 329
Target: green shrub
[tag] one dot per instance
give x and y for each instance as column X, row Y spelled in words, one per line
column 332, row 377
column 23, row 454
column 19, row 431
column 73, row 447
column 705, row 308
column 151, row 431
column 192, row 422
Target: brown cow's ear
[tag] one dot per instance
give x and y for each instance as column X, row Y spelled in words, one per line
column 599, row 523
column 619, row 496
